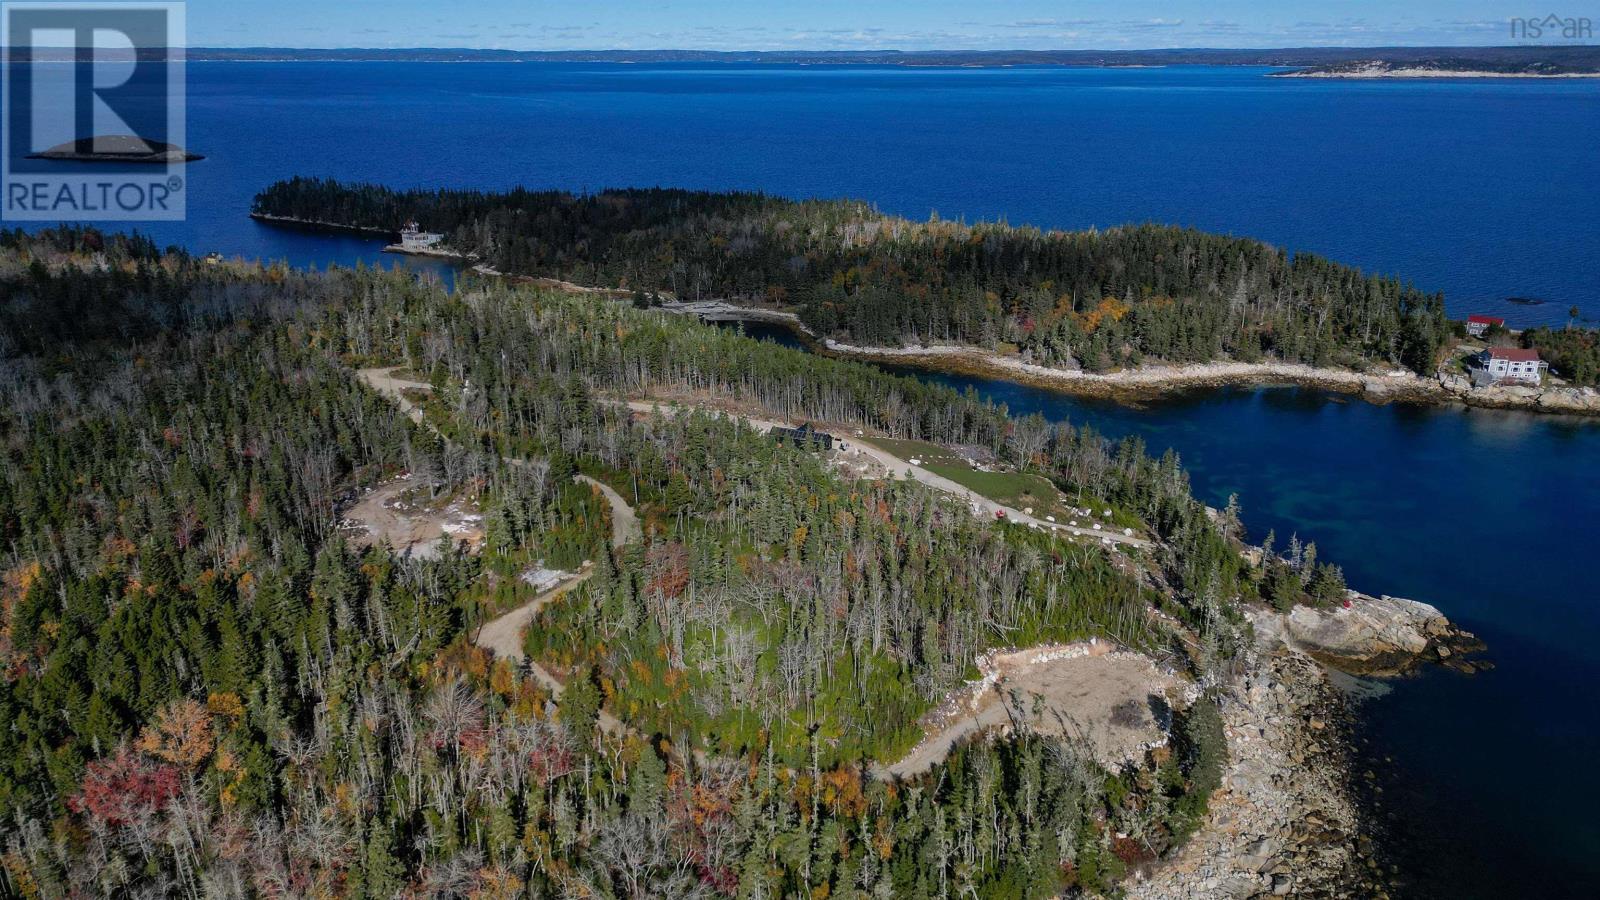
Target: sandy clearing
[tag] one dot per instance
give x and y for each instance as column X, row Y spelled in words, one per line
column 1112, row 700
column 383, row 518
column 384, row 382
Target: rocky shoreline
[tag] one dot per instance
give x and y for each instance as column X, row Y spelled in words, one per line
column 1155, row 381
column 436, row 253
column 1289, row 819
column 322, row 226
column 1377, row 636
column 1285, row 822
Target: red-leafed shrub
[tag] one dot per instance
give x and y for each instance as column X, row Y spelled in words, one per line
column 121, row 788
column 722, row 879
column 551, row 761
column 1131, row 852
column 668, row 567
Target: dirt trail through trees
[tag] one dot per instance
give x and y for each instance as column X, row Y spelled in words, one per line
column 896, row 467
column 1101, row 697
column 503, row 636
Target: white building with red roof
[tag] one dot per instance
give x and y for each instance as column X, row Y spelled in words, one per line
column 1477, row 324
column 1499, row 364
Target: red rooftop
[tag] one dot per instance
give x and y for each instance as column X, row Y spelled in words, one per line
column 1514, row 354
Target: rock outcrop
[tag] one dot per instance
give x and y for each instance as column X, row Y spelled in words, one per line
column 1549, row 397
column 1379, row 636
column 1284, row 822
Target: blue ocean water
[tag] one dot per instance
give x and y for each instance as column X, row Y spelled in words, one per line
column 1492, row 516
column 1483, row 189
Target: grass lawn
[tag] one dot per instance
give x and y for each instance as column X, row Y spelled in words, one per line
column 1014, row 489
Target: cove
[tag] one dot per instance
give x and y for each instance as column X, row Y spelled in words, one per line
column 1491, row 515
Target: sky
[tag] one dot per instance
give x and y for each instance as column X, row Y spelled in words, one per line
column 861, row 24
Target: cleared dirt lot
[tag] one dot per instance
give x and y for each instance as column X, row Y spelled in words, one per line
column 1113, row 700
column 401, row 516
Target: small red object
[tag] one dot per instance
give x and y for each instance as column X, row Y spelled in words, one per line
column 999, row 514
column 1347, row 604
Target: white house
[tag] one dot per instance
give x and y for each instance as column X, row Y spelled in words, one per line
column 413, row 238
column 1478, row 324
column 1512, row 364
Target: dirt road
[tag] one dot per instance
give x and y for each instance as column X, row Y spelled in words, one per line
column 624, row 522
column 384, row 382
column 503, row 636
column 980, row 505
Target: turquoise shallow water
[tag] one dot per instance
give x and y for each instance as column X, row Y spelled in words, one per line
column 1485, row 190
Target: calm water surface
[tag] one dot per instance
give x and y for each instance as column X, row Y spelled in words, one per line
column 1485, row 190
column 1482, row 189
column 1493, row 516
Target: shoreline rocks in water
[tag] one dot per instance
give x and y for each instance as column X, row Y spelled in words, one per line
column 437, row 252
column 1285, row 822
column 120, row 148
column 1380, row 636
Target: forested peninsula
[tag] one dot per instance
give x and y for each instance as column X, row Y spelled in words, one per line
column 1100, row 299
column 219, row 679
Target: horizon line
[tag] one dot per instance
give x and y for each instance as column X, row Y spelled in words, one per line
column 861, row 51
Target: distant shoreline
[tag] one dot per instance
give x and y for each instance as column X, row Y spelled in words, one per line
column 1153, row 382
column 1144, row 383
column 1409, row 74
column 1507, row 58
column 1414, row 73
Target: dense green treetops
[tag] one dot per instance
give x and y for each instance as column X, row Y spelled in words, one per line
column 209, row 687
column 1101, row 299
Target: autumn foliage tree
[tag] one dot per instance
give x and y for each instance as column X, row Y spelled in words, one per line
column 124, row 787
column 181, row 733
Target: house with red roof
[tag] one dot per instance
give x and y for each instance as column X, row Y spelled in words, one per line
column 1477, row 324
column 1520, row 364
